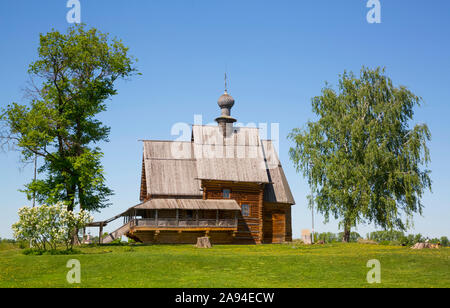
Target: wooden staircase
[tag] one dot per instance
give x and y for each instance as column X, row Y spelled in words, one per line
column 124, row 230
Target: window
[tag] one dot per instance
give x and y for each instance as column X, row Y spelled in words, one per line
column 226, row 194
column 245, row 209
column 189, row 214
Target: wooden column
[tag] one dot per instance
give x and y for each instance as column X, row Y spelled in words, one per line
column 156, row 218
column 100, row 233
column 261, row 214
column 196, row 216
column 217, row 218
column 178, row 217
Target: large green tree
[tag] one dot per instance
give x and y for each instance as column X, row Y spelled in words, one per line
column 71, row 81
column 363, row 158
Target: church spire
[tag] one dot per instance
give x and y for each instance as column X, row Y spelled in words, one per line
column 225, row 103
column 226, row 85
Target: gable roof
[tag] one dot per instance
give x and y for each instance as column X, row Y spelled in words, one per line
column 174, row 169
column 166, row 173
column 278, row 190
column 236, row 158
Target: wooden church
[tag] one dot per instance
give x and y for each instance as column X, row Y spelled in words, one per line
column 226, row 183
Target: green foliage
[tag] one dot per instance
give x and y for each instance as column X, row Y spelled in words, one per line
column 362, row 159
column 380, row 236
column 72, row 79
column 329, row 237
column 399, row 238
column 47, row 227
column 353, row 238
column 52, row 252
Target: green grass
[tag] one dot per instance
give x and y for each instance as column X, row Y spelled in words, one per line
column 288, row 265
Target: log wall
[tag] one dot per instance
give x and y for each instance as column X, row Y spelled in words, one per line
column 250, row 228
column 277, row 225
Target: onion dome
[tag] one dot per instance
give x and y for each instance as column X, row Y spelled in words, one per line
column 225, row 101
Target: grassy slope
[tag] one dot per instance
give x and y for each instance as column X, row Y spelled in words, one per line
column 334, row 265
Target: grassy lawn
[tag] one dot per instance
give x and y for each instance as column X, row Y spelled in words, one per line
column 288, row 265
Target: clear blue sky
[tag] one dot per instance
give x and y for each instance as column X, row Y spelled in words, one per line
column 278, row 55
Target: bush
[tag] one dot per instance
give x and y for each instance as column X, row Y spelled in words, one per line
column 40, row 252
column 47, row 227
column 329, row 237
column 380, row 236
column 326, row 237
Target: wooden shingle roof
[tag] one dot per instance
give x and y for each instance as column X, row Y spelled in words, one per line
column 173, row 169
column 168, row 174
column 236, row 158
column 189, row 204
column 278, row 190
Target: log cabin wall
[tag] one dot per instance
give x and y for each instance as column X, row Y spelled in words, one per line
column 250, row 228
column 277, row 225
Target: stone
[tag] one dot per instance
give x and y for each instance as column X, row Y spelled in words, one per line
column 306, row 237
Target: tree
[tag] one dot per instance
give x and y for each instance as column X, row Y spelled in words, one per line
column 362, row 159
column 71, row 80
column 47, row 227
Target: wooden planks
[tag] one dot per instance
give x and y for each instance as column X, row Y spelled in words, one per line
column 277, row 226
column 249, row 227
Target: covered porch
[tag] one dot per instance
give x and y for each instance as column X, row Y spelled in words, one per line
column 169, row 217
column 183, row 213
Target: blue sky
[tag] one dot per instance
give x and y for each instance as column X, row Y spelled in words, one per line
column 278, row 55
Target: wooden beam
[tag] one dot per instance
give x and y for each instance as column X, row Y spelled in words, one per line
column 100, row 233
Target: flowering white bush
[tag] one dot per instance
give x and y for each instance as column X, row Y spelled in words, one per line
column 49, row 226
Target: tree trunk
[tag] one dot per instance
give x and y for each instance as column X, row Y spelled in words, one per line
column 346, row 237
column 75, row 240
column 203, row 242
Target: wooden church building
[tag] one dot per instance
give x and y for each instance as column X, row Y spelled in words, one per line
column 226, row 183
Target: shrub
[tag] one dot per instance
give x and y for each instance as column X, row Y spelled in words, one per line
column 391, row 235
column 46, row 227
column 40, row 252
column 326, row 237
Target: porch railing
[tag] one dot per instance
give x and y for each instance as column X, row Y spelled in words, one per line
column 184, row 223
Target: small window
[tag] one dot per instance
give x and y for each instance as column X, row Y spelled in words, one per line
column 245, row 209
column 226, row 194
